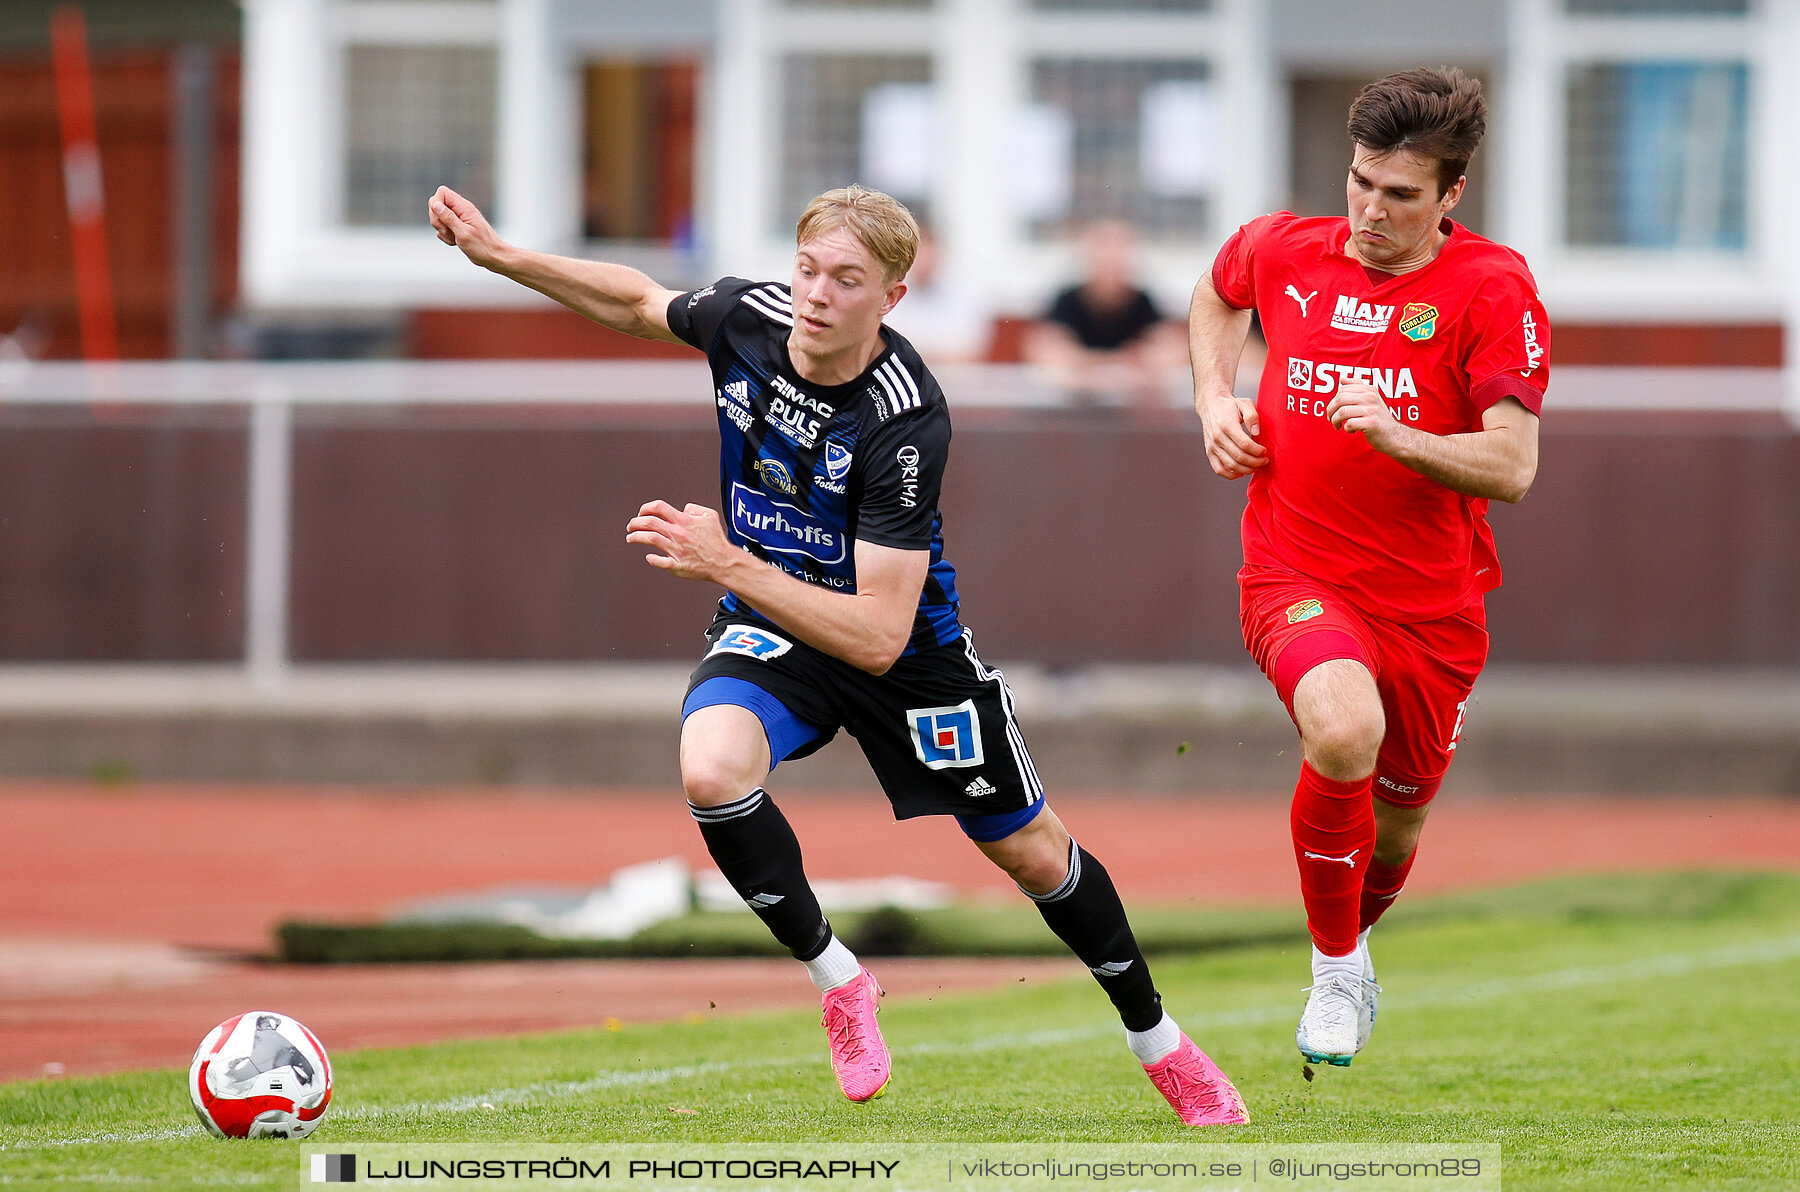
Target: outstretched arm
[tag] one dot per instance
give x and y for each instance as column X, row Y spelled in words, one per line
column 867, row 628
column 1499, row 461
column 615, row 296
column 1216, row 335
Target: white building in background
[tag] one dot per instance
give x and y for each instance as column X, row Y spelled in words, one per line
column 1641, row 153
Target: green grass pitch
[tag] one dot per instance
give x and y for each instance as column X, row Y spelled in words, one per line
column 1617, row 1033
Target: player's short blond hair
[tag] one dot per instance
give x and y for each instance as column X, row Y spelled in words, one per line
column 883, row 224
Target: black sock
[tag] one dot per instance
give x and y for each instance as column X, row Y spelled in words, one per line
column 1086, row 914
column 759, row 855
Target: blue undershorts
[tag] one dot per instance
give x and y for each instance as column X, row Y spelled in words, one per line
column 787, row 733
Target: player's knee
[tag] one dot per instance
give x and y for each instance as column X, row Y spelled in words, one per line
column 711, row 778
column 1037, row 872
column 1037, row 862
column 1394, row 852
column 1344, row 747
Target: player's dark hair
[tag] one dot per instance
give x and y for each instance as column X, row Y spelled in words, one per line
column 1434, row 112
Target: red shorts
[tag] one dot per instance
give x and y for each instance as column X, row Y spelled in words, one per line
column 1424, row 671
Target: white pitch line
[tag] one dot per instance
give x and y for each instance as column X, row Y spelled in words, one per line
column 1766, row 951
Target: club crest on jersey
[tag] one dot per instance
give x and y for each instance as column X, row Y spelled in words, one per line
column 783, row 528
column 946, row 738
column 837, row 461
column 1305, row 610
column 776, row 477
column 750, row 642
column 1366, row 317
column 1418, row 322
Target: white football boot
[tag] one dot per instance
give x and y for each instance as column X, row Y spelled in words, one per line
column 1337, row 1020
column 1371, row 991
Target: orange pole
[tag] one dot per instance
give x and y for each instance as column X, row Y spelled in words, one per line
column 81, row 183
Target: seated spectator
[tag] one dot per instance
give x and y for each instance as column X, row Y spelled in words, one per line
column 1105, row 334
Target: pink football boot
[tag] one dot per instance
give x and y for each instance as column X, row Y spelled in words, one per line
column 1195, row 1088
column 858, row 1054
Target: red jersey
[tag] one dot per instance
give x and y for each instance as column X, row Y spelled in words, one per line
column 1441, row 344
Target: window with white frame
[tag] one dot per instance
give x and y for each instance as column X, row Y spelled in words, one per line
column 1123, row 6
column 638, row 132
column 416, row 117
column 1140, row 142
column 859, row 3
column 1656, row 100
column 1658, row 8
column 858, row 118
column 1657, row 155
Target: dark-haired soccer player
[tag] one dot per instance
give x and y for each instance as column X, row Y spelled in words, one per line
column 1407, row 364
column 841, row 611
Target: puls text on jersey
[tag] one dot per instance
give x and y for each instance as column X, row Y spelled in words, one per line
column 797, row 415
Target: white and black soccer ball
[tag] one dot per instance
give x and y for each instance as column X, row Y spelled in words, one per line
column 260, row 1075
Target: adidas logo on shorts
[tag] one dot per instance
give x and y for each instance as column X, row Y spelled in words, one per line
column 980, row 787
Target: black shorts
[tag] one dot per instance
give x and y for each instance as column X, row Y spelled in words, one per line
column 938, row 727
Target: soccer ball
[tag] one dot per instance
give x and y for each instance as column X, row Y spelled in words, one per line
column 260, row 1075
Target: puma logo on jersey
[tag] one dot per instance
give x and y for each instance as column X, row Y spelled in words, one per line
column 1294, row 293
column 1349, row 859
column 1111, row 968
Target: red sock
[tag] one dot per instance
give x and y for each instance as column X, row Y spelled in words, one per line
column 1334, row 833
column 1381, row 885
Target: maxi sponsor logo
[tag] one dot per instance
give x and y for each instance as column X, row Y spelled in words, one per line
column 1365, row 317
column 780, row 527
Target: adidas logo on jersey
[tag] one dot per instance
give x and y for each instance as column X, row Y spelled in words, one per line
column 980, row 787
column 734, row 399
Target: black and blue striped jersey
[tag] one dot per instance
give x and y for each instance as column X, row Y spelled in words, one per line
column 806, row 471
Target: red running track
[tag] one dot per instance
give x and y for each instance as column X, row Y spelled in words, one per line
column 98, row 884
